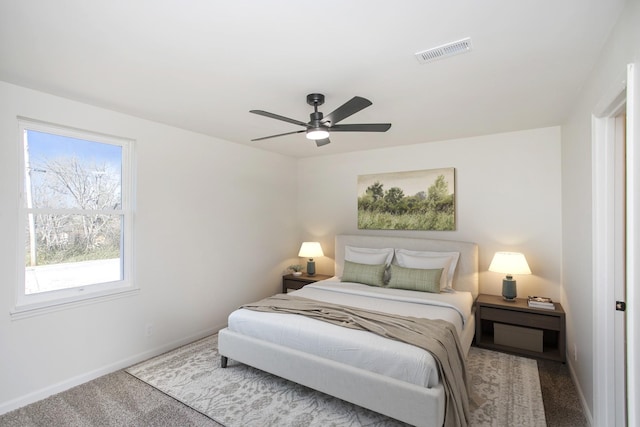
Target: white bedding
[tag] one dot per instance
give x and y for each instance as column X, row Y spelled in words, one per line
column 360, row 348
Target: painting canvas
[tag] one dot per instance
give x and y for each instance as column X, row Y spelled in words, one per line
column 414, row 200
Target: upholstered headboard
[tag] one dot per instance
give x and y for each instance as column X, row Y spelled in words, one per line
column 465, row 277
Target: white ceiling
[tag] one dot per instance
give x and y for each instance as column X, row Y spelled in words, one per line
column 203, row 64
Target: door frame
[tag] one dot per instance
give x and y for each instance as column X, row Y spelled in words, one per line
column 633, row 243
column 603, row 137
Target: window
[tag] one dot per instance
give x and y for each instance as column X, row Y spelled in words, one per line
column 76, row 230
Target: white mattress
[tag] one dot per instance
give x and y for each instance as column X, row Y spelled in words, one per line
column 360, row 349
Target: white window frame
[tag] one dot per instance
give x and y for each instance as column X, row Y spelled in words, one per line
column 26, row 305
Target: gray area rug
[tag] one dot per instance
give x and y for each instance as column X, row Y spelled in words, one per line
column 505, row 390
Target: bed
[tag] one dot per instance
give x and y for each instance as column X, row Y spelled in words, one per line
column 390, row 377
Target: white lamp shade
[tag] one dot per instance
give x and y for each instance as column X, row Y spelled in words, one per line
column 509, row 263
column 310, row 250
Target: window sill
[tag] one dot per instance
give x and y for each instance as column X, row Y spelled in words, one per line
column 26, row 311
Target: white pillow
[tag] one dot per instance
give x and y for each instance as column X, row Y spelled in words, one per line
column 428, row 259
column 368, row 255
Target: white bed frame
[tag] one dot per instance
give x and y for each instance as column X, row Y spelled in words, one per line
column 397, row 399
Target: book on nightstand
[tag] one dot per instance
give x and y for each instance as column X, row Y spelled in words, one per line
column 540, row 302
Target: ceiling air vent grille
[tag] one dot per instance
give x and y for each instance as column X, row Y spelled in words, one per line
column 449, row 49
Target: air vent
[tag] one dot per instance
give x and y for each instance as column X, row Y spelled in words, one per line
column 449, row 49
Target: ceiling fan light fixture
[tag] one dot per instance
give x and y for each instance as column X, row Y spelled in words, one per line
column 319, row 125
column 317, row 133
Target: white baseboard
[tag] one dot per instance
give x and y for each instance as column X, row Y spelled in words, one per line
column 88, row 376
column 583, row 401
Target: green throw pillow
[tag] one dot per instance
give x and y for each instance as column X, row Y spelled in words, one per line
column 415, row 279
column 369, row 274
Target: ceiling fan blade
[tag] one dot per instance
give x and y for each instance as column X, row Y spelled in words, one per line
column 321, row 142
column 368, row 127
column 278, row 117
column 350, row 107
column 280, row 134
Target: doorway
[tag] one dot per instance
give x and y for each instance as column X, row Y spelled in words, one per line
column 616, row 159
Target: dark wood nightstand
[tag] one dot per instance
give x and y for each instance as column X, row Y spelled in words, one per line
column 290, row 281
column 517, row 328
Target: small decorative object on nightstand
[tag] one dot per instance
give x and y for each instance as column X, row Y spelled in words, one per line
column 509, row 263
column 296, row 268
column 290, row 281
column 310, row 250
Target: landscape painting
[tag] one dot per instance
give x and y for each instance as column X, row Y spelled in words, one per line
column 414, row 200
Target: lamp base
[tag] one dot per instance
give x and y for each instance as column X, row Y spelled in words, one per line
column 509, row 292
column 311, row 268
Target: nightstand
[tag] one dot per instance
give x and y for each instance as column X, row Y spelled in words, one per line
column 515, row 327
column 290, row 281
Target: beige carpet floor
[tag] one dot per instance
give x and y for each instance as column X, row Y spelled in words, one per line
column 120, row 399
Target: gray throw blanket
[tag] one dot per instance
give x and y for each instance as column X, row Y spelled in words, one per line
column 438, row 337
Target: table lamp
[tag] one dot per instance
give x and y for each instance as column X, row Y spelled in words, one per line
column 509, row 263
column 310, row 250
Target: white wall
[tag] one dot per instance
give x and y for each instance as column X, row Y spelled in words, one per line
column 507, row 198
column 214, row 225
column 623, row 47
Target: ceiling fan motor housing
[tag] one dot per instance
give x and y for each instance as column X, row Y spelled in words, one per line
column 316, row 119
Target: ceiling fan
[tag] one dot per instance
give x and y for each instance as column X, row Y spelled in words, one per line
column 319, row 127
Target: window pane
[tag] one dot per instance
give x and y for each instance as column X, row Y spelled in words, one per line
column 70, row 173
column 67, row 251
column 77, row 203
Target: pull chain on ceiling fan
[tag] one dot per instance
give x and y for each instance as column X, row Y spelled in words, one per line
column 319, row 127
